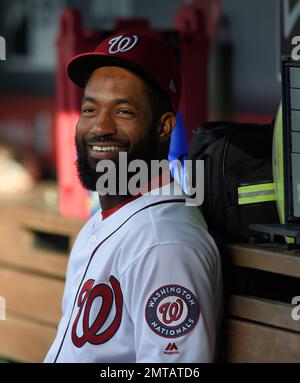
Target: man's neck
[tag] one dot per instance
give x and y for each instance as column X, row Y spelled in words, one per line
column 108, row 202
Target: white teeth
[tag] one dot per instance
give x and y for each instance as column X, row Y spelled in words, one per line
column 105, row 148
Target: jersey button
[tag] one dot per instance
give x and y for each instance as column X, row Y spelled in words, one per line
column 93, row 238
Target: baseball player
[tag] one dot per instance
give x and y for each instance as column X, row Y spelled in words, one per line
column 144, row 280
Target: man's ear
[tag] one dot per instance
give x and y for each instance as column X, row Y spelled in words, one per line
column 167, row 123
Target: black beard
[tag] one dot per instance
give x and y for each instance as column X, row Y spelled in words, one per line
column 146, row 150
column 86, row 173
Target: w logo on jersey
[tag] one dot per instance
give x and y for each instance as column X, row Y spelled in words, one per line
column 91, row 325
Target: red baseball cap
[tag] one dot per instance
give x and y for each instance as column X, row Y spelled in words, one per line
column 145, row 55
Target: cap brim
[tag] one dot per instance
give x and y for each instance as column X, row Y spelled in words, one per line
column 81, row 66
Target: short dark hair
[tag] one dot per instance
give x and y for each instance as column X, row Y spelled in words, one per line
column 159, row 101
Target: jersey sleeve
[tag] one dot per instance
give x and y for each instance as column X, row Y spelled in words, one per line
column 173, row 295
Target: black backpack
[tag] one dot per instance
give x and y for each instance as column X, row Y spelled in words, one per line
column 238, row 182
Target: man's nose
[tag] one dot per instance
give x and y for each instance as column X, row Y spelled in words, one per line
column 104, row 125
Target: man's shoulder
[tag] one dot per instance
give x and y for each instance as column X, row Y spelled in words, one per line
column 169, row 223
column 170, row 235
column 88, row 226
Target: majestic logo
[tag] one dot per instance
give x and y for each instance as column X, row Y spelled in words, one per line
column 121, row 44
column 95, row 319
column 171, row 349
column 172, row 311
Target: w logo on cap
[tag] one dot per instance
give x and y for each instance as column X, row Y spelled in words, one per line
column 121, row 44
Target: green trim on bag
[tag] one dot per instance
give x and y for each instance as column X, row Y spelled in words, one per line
column 256, row 188
column 256, row 193
column 256, row 199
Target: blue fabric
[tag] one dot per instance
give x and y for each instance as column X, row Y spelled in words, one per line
column 179, row 141
column 178, row 149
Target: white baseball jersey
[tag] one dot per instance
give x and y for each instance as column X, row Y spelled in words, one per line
column 143, row 285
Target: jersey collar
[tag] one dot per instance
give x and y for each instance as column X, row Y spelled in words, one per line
column 105, row 227
column 153, row 184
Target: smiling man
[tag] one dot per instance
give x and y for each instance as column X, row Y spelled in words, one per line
column 144, row 277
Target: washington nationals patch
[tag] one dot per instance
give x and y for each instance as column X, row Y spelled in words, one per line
column 172, row 311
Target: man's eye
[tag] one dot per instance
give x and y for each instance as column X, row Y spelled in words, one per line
column 88, row 110
column 125, row 112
